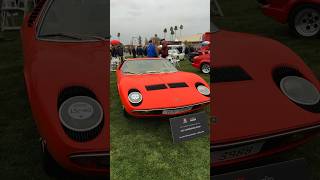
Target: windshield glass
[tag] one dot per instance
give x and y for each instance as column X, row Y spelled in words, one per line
column 147, row 66
column 76, row 20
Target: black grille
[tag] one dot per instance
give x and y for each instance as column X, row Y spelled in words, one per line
column 229, row 74
column 177, row 85
column 36, row 12
column 84, row 136
column 156, row 87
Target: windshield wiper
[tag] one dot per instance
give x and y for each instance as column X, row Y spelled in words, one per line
column 71, row 36
column 126, row 72
column 153, row 72
column 74, row 36
column 95, row 37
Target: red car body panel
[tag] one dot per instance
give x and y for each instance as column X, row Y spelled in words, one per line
column 199, row 60
column 160, row 99
column 281, row 9
column 50, row 67
column 255, row 109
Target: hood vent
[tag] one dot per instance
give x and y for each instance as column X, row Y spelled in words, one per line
column 156, row 87
column 229, row 74
column 178, row 85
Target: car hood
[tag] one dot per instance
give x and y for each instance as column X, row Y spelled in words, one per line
column 250, row 108
column 162, row 98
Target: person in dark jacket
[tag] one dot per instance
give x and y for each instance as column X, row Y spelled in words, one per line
column 151, row 50
column 134, row 53
column 164, row 48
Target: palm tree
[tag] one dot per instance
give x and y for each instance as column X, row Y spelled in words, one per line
column 172, row 33
column 140, row 40
column 181, row 28
column 165, row 32
column 175, row 31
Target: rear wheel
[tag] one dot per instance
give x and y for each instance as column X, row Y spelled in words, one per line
column 205, row 68
column 305, row 20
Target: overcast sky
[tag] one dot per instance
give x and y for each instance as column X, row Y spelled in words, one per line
column 149, row 17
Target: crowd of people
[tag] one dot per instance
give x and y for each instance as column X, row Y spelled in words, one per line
column 149, row 50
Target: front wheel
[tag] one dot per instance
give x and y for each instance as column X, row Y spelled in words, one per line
column 205, row 68
column 305, row 20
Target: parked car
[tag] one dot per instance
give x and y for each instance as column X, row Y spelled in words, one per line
column 266, row 100
column 202, row 62
column 303, row 16
column 66, row 75
column 153, row 87
column 191, row 55
column 174, row 53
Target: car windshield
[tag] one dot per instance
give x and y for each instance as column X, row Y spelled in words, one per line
column 75, row 20
column 151, row 66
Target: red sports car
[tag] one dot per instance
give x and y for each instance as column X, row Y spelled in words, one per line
column 303, row 16
column 266, row 100
column 153, row 87
column 202, row 62
column 66, row 76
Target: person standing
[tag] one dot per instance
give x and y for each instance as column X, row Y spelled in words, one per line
column 164, row 48
column 151, row 50
column 134, row 52
column 120, row 52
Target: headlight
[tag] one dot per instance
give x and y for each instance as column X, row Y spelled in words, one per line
column 300, row 90
column 135, row 97
column 203, row 90
column 81, row 117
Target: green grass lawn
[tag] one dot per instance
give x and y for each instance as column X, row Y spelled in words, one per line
column 245, row 16
column 143, row 149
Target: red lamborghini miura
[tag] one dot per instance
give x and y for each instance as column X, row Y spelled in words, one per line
column 155, row 88
column 66, row 76
column 266, row 100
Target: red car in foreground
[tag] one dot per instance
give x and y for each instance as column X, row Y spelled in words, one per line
column 202, row 62
column 303, row 16
column 266, row 100
column 153, row 87
column 66, row 77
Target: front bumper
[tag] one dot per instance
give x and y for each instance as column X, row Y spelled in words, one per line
column 99, row 161
column 196, row 65
column 272, row 144
column 158, row 112
column 275, row 13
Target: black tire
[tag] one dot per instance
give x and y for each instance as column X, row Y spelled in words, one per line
column 204, row 69
column 297, row 14
column 125, row 113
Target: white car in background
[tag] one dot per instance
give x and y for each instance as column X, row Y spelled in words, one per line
column 175, row 54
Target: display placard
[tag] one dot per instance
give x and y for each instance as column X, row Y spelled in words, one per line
column 189, row 126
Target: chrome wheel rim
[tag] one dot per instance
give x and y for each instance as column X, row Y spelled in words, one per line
column 307, row 22
column 205, row 68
